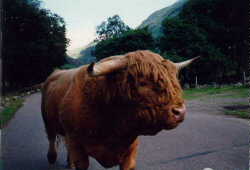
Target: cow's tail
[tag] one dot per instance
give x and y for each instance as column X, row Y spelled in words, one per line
column 32, row 88
column 36, row 86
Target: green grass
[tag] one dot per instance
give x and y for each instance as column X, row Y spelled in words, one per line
column 239, row 113
column 227, row 91
column 9, row 111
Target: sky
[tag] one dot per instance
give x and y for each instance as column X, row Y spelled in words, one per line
column 82, row 17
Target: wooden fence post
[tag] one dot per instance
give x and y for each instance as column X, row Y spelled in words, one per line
column 244, row 78
column 196, row 82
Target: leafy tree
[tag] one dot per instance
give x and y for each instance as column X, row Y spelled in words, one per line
column 132, row 40
column 213, row 29
column 34, row 43
column 225, row 22
column 183, row 41
column 182, row 38
column 113, row 27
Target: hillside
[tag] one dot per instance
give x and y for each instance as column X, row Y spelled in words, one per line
column 154, row 20
column 83, row 55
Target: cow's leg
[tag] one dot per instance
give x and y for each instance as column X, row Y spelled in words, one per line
column 129, row 163
column 77, row 156
column 51, row 134
column 52, row 152
column 70, row 163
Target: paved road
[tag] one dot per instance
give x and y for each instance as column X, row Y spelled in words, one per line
column 204, row 140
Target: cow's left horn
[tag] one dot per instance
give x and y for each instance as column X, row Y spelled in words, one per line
column 106, row 66
column 185, row 63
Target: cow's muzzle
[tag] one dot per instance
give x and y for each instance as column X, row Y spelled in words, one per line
column 179, row 113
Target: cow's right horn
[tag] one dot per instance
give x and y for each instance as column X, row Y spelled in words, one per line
column 185, row 63
column 106, row 66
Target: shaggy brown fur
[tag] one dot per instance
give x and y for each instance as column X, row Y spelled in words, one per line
column 103, row 116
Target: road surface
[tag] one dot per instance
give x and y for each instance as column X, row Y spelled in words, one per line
column 206, row 139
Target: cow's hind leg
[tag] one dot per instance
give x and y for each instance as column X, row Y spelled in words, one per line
column 52, row 152
column 51, row 134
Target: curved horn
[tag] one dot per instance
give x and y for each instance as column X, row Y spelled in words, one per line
column 106, row 66
column 183, row 64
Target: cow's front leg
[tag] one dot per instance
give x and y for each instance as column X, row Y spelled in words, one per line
column 129, row 163
column 70, row 163
column 78, row 158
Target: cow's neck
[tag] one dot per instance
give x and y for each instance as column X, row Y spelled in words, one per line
column 115, row 112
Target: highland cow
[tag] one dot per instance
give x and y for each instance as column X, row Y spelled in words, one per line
column 100, row 109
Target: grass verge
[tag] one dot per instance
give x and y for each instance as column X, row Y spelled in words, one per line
column 230, row 91
column 239, row 113
column 9, row 110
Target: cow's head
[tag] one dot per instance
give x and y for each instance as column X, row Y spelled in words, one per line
column 149, row 86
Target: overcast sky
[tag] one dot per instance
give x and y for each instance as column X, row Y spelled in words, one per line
column 83, row 16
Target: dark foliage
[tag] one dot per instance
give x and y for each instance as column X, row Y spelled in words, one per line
column 34, row 43
column 213, row 29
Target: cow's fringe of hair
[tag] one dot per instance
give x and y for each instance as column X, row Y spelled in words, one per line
column 151, row 66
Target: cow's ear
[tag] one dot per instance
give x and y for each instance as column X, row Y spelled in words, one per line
column 107, row 66
column 183, row 64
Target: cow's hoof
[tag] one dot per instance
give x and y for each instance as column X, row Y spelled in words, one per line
column 52, row 156
column 70, row 166
column 78, row 169
column 52, row 167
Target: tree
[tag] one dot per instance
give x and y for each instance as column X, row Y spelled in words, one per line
column 183, row 41
column 139, row 39
column 213, row 29
column 182, row 38
column 34, row 43
column 111, row 28
column 226, row 24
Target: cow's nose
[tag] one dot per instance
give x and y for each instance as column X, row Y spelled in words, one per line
column 179, row 112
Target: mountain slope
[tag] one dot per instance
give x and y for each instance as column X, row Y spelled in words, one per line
column 83, row 55
column 153, row 22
